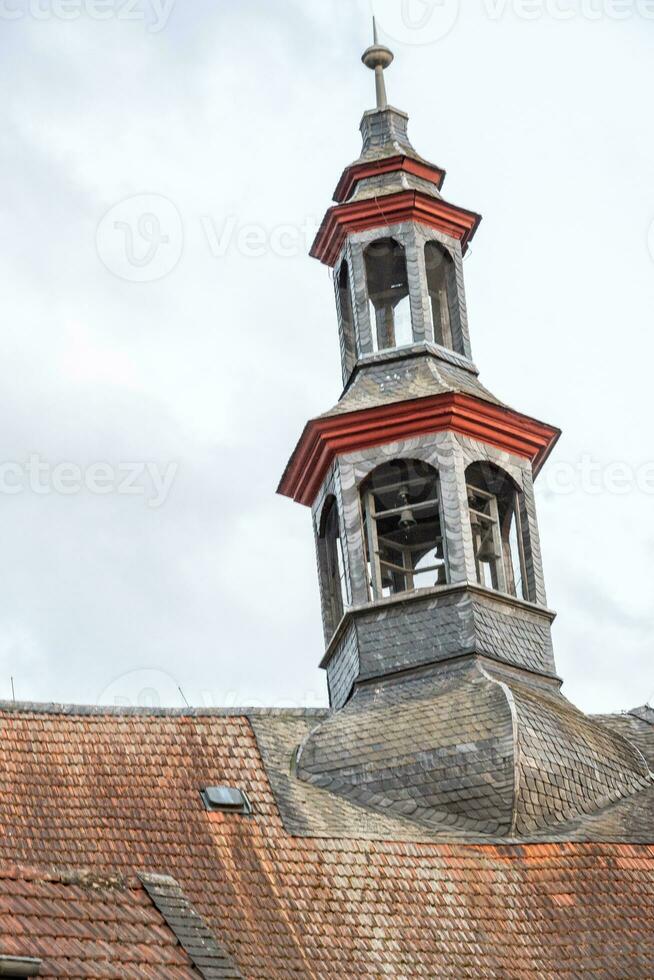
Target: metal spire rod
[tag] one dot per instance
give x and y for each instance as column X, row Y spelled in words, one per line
column 378, row 58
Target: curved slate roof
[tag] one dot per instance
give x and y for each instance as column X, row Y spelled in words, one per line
column 384, row 134
column 437, row 749
column 473, row 747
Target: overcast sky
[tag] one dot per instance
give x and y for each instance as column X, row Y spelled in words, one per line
column 185, row 352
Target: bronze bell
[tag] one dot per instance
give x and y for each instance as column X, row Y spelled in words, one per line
column 407, row 519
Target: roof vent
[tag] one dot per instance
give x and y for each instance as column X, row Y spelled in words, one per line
column 226, row 799
column 19, row 966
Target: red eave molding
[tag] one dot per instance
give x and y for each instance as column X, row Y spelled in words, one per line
column 373, row 168
column 325, row 438
column 391, row 209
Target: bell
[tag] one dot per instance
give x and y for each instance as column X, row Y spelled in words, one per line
column 487, row 551
column 441, row 578
column 407, row 520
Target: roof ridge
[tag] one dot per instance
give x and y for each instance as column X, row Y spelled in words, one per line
column 86, row 710
column 517, row 748
column 84, row 877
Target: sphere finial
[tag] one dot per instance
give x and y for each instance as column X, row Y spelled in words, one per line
column 378, row 58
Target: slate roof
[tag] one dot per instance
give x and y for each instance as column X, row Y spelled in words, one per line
column 474, row 747
column 311, row 885
column 385, row 136
column 392, row 378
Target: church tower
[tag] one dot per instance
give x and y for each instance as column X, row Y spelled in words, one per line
column 440, row 667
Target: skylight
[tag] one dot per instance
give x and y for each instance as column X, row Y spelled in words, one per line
column 226, row 799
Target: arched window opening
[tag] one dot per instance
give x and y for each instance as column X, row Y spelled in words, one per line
column 405, row 549
column 334, row 564
column 345, row 299
column 498, row 530
column 441, row 283
column 388, row 294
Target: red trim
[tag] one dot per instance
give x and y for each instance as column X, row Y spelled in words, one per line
column 360, row 171
column 325, row 438
column 389, row 210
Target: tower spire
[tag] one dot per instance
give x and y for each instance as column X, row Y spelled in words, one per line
column 378, row 58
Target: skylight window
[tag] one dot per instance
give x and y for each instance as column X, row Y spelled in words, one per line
column 19, row 966
column 226, row 799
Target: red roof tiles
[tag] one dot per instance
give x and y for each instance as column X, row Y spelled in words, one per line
column 120, row 794
column 81, row 926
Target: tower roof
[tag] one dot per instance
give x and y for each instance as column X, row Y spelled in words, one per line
column 388, row 162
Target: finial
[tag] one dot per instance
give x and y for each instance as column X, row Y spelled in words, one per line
column 378, row 58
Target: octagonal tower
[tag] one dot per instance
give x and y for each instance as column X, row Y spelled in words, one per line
column 439, row 659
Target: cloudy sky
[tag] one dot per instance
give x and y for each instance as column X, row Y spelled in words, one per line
column 156, row 371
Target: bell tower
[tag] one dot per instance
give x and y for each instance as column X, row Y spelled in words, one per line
column 446, row 705
column 419, row 479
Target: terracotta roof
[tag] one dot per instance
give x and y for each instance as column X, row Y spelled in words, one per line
column 85, row 925
column 119, row 794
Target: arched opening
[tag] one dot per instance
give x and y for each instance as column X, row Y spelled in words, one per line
column 388, row 294
column 441, row 286
column 405, row 548
column 331, row 554
column 345, row 302
column 499, row 528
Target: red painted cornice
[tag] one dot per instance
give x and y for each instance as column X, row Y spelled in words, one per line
column 325, row 438
column 390, row 210
column 373, row 168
